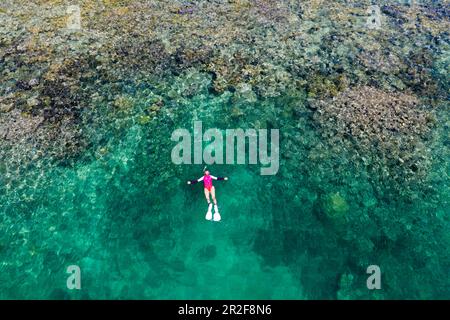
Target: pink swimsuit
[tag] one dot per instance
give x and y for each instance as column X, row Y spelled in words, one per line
column 207, row 182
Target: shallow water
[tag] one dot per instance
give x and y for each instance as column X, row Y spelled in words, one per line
column 137, row 231
column 122, row 211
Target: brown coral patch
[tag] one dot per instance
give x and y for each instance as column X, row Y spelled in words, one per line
column 388, row 131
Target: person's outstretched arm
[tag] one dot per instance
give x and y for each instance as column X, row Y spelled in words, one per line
column 195, row 181
column 219, row 178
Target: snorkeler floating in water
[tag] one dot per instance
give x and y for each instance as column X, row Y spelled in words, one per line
column 209, row 190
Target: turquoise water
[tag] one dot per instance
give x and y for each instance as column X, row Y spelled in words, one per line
column 125, row 215
column 122, row 211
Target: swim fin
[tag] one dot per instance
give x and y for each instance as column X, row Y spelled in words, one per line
column 209, row 213
column 216, row 214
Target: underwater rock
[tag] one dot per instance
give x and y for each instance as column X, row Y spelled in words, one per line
column 27, row 138
column 155, row 107
column 191, row 83
column 321, row 86
column 245, row 93
column 6, row 107
column 144, row 119
column 15, row 127
column 386, row 62
column 123, row 102
column 236, row 112
column 33, row 82
column 335, row 206
column 32, row 102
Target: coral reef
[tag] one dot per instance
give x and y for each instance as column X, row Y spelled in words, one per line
column 388, row 131
column 86, row 117
column 335, row 206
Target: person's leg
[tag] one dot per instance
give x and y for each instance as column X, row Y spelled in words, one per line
column 208, row 213
column 213, row 194
column 207, row 195
column 216, row 209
